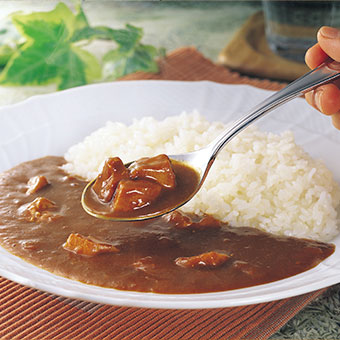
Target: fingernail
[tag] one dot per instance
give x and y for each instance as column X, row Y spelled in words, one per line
column 317, row 99
column 329, row 32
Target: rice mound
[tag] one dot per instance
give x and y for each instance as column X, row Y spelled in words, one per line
column 259, row 179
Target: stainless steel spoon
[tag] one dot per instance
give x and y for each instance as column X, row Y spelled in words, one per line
column 202, row 160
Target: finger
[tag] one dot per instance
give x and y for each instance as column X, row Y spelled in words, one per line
column 315, row 56
column 336, row 120
column 313, row 98
column 329, row 41
column 325, row 98
column 309, row 96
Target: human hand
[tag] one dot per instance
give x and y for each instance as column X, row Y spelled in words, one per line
column 325, row 98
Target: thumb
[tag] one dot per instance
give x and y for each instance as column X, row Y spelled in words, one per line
column 329, row 41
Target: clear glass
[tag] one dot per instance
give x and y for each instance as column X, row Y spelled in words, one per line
column 291, row 26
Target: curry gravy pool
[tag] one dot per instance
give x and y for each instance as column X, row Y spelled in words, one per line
column 171, row 254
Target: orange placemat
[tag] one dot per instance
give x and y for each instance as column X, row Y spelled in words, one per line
column 26, row 313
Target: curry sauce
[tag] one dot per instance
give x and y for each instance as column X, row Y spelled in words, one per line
column 43, row 223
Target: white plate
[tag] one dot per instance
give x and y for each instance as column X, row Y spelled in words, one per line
column 50, row 124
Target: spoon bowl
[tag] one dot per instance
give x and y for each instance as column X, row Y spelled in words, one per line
column 202, row 160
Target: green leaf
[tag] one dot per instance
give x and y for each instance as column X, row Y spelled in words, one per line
column 81, row 24
column 91, row 33
column 125, row 38
column 73, row 73
column 49, row 54
column 143, row 59
column 43, row 26
column 30, row 66
column 115, row 64
column 140, row 58
column 6, row 53
column 131, row 55
column 81, row 20
column 92, row 68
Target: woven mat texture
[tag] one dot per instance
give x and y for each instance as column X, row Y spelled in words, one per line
column 26, row 313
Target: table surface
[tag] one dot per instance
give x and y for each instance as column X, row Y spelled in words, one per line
column 208, row 26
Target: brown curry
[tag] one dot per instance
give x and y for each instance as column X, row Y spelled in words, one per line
column 42, row 221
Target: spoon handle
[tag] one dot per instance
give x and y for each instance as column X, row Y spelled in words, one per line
column 322, row 74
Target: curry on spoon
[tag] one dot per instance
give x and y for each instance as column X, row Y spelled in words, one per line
column 151, row 187
column 146, row 188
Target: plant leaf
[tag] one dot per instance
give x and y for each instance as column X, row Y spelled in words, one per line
column 45, row 26
column 29, row 66
column 125, row 38
column 141, row 58
column 90, row 33
column 81, row 20
column 48, row 54
column 92, row 68
column 6, row 53
column 73, row 73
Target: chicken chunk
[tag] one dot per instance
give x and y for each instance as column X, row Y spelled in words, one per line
column 211, row 259
column 182, row 220
column 135, row 194
column 106, row 183
column 87, row 246
column 36, row 183
column 156, row 168
column 179, row 219
column 38, row 210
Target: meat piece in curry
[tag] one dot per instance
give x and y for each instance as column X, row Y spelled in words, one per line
column 40, row 210
column 87, row 246
column 182, row 220
column 132, row 195
column 36, row 183
column 107, row 181
column 208, row 260
column 156, row 168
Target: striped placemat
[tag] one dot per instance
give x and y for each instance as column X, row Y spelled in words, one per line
column 26, row 313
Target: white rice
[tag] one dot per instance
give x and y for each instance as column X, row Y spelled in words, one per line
column 259, row 179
